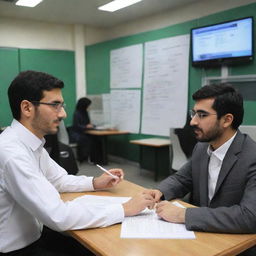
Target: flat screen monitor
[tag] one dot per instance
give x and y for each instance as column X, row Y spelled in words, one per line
column 224, row 43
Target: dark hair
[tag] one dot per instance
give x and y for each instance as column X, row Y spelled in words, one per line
column 83, row 104
column 30, row 85
column 227, row 100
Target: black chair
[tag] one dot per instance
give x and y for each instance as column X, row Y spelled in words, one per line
column 52, row 146
column 67, row 159
column 182, row 144
column 61, row 153
column 187, row 139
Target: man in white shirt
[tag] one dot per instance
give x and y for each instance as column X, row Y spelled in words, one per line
column 30, row 181
column 221, row 174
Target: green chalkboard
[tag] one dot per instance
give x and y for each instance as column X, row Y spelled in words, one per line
column 98, row 67
column 9, row 68
column 58, row 63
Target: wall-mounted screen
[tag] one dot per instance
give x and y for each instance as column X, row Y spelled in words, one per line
column 225, row 43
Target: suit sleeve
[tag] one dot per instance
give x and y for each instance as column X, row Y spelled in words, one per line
column 238, row 218
column 178, row 184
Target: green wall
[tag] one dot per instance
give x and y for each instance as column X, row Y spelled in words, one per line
column 9, row 68
column 56, row 62
column 98, row 70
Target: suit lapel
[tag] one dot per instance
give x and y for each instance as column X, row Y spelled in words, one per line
column 227, row 165
column 229, row 159
column 204, row 179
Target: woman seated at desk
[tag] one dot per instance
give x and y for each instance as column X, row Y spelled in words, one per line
column 81, row 123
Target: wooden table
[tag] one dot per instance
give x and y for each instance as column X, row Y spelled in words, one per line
column 103, row 134
column 156, row 143
column 107, row 241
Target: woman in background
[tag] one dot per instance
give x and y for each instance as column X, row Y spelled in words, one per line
column 81, row 123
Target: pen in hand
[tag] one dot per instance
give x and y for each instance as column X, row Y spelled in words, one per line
column 106, row 171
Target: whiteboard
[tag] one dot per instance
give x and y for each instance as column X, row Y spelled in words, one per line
column 125, row 110
column 165, row 94
column 126, row 67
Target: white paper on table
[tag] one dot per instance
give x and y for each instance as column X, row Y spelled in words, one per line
column 101, row 200
column 148, row 225
column 145, row 225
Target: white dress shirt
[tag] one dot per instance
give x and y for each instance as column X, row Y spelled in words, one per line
column 30, row 182
column 215, row 163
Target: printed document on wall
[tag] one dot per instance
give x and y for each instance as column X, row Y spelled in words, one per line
column 96, row 109
column 100, row 110
column 126, row 67
column 125, row 110
column 165, row 95
column 106, row 108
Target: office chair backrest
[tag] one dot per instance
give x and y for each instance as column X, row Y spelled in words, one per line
column 52, row 146
column 177, row 156
column 249, row 129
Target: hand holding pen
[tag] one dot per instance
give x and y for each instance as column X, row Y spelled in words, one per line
column 106, row 171
column 108, row 179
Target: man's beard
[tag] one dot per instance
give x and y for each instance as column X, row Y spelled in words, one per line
column 211, row 135
column 41, row 124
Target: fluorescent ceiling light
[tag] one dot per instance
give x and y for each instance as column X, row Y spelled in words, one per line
column 28, row 3
column 117, row 4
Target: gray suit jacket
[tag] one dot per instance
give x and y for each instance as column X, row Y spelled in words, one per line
column 233, row 206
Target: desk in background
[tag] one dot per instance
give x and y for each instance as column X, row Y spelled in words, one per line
column 103, row 134
column 156, row 143
column 107, row 241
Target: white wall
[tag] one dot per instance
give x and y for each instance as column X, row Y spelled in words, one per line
column 35, row 35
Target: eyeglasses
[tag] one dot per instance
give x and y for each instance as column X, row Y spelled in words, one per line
column 199, row 114
column 56, row 105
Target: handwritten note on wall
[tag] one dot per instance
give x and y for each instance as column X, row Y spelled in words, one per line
column 125, row 110
column 126, row 67
column 165, row 85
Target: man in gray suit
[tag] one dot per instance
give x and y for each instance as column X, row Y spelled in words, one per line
column 221, row 174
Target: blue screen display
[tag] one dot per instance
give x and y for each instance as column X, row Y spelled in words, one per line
column 227, row 40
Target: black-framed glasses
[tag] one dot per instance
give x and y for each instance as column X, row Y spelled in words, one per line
column 56, row 105
column 200, row 114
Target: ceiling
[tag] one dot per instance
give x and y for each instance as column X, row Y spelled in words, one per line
column 86, row 12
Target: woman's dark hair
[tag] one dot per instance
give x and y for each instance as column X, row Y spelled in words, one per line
column 30, row 85
column 83, row 104
column 227, row 100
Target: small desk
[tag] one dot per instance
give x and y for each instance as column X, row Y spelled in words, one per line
column 103, row 136
column 156, row 143
column 107, row 241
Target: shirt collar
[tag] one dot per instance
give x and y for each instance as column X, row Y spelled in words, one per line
column 221, row 151
column 26, row 136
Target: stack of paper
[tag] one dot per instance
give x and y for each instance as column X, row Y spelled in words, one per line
column 149, row 225
column 145, row 225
